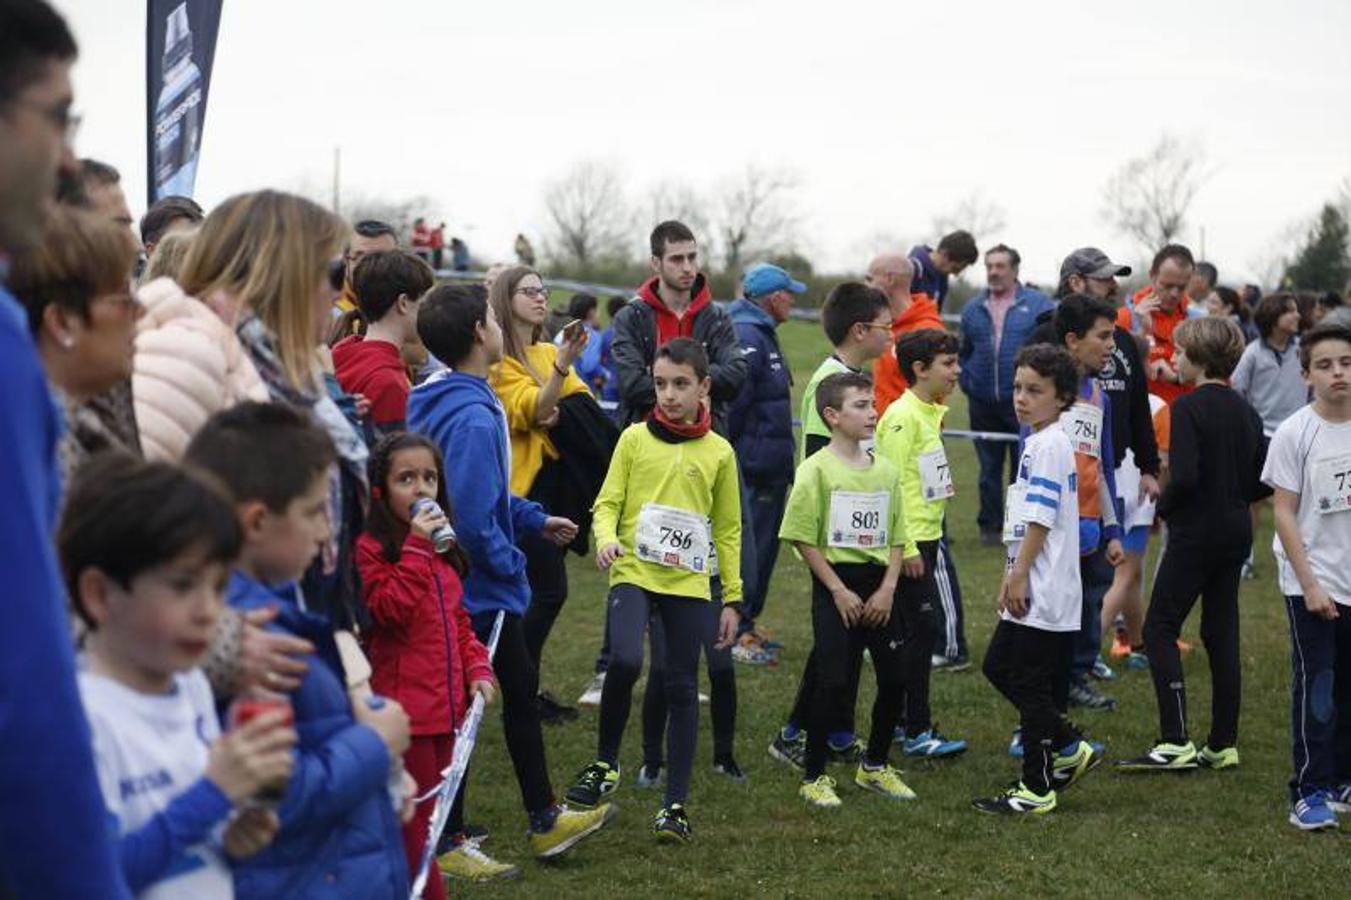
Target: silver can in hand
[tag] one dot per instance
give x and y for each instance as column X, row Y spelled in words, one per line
column 443, row 538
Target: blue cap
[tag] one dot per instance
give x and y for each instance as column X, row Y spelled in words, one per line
column 764, row 278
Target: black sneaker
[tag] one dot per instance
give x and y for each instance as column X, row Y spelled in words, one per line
column 672, row 825
column 551, row 712
column 727, row 766
column 593, row 783
column 1085, row 695
column 793, row 752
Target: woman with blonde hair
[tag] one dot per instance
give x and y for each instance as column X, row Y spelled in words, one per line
column 261, row 262
column 560, row 442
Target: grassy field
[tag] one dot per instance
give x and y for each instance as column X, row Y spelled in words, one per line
column 1199, row 834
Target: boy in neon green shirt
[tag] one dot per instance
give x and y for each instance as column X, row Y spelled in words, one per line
column 845, row 518
column 909, row 436
column 671, row 483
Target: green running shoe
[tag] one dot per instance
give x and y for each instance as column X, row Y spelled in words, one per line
column 883, row 780
column 1017, row 800
column 593, row 783
column 1162, row 758
column 820, row 792
column 672, row 825
column 1217, row 759
column 1068, row 768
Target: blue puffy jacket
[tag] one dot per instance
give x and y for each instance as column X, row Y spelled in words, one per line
column 984, row 378
column 340, row 837
column 760, row 419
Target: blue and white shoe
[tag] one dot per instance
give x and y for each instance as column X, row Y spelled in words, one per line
column 1102, row 671
column 1312, row 813
column 1016, row 744
column 1137, row 662
column 650, row 775
column 1339, row 798
column 933, row 745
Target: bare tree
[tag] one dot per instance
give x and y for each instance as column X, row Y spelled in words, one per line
column 756, row 214
column 589, row 215
column 1148, row 198
column 976, row 213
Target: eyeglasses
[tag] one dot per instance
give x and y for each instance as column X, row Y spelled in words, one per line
column 871, row 325
column 59, row 114
column 534, row 293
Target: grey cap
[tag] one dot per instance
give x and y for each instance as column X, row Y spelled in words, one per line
column 1090, row 262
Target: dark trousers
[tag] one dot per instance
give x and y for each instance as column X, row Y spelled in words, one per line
column 762, row 513
column 685, row 624
column 1212, row 573
column 916, row 600
column 1029, row 666
column 1096, row 573
column 518, row 682
column 992, row 456
column 843, row 719
column 722, row 691
column 949, row 621
column 838, row 651
column 546, row 569
column 1320, row 699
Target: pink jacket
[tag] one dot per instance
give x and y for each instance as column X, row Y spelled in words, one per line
column 188, row 366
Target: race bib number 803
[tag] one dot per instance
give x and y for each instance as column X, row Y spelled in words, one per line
column 859, row 520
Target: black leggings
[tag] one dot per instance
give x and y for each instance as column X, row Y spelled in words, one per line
column 1185, row 573
column 518, row 681
column 839, row 652
column 722, row 693
column 687, row 626
column 916, row 599
column 1030, row 667
column 547, row 571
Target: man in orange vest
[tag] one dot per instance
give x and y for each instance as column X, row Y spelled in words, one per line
column 891, row 273
column 1155, row 310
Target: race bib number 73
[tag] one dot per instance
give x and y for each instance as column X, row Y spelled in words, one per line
column 1332, row 484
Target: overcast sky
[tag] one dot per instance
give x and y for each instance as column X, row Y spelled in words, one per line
column 891, row 113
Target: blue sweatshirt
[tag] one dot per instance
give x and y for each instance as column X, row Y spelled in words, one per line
column 340, row 837
column 461, row 413
column 54, row 837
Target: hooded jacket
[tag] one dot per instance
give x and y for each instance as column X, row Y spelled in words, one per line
column 646, row 323
column 421, row 643
column 340, row 836
column 189, row 365
column 1161, row 325
column 888, row 382
column 463, row 416
column 375, row 370
column 760, row 419
column 985, row 377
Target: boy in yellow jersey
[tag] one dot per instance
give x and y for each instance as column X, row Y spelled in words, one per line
column 671, row 482
column 844, row 517
column 909, row 436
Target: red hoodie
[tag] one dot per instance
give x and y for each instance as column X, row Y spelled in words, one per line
column 669, row 326
column 888, row 382
column 375, row 370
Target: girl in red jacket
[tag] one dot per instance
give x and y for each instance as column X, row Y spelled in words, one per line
column 422, row 648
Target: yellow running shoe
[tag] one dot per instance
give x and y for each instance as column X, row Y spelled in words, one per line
column 571, row 826
column 885, row 781
column 820, row 792
column 1225, row 758
column 468, row 863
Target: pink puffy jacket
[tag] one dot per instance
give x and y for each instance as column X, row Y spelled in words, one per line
column 188, row 366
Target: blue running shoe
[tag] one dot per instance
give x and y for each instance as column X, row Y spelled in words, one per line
column 1016, row 745
column 1137, row 662
column 1312, row 813
column 933, row 745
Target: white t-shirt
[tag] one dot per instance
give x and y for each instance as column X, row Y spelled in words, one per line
column 149, row 749
column 1312, row 457
column 1046, row 492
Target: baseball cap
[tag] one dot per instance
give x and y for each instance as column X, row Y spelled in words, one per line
column 765, row 278
column 1090, row 262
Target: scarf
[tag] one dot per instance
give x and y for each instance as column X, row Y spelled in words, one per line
column 673, row 432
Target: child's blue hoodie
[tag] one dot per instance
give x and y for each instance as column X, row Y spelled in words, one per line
column 462, row 415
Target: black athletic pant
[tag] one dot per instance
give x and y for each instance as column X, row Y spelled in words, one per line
column 686, row 625
column 518, row 682
column 843, row 720
column 916, row 599
column 547, row 571
column 1184, row 573
column 721, row 693
column 1030, row 667
column 839, row 652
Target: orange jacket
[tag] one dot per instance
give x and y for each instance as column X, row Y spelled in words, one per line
column 1161, row 340
column 888, row 382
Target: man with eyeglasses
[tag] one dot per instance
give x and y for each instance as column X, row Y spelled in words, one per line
column 54, row 835
column 368, row 236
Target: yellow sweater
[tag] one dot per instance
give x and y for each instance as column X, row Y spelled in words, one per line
column 696, row 477
column 519, row 392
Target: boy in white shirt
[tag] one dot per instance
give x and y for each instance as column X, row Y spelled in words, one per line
column 145, row 550
column 1309, row 467
column 1040, row 599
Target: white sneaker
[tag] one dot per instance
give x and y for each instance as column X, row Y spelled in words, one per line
column 591, row 696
